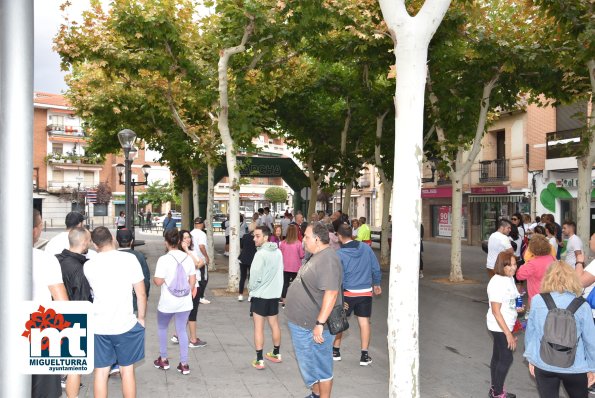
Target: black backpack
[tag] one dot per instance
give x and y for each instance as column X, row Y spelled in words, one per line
column 559, row 341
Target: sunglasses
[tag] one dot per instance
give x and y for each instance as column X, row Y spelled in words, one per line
column 514, row 219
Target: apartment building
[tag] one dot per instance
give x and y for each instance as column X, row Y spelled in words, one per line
column 65, row 175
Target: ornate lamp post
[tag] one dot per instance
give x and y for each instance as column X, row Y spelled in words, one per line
column 127, row 138
column 129, row 183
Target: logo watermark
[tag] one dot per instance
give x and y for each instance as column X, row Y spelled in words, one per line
column 57, row 337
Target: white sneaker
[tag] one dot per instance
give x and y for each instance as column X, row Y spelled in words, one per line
column 226, row 254
column 240, row 298
column 204, row 301
column 174, row 339
column 421, row 274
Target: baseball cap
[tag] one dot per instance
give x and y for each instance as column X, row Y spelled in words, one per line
column 199, row 220
column 73, row 219
column 124, row 236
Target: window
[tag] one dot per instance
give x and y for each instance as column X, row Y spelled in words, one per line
column 89, row 179
column 57, row 119
column 57, row 147
column 58, row 176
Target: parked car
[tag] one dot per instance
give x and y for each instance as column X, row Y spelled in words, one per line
column 219, row 217
column 158, row 220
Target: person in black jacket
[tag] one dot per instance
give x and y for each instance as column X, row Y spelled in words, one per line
column 77, row 287
column 125, row 240
column 71, row 261
column 248, row 250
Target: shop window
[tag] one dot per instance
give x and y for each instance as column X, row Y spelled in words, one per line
column 442, row 221
column 567, row 210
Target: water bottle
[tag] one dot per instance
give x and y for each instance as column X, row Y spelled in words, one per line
column 519, row 304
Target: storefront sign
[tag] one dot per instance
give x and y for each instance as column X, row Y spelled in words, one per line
column 569, row 182
column 439, row 192
column 445, row 221
column 501, row 189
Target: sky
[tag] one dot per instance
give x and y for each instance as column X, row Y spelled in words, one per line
column 47, row 76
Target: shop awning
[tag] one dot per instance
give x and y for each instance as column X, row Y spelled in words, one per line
column 496, row 198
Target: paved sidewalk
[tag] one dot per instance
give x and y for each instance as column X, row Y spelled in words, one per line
column 455, row 346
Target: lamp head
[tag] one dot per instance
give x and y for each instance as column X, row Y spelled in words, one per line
column 120, row 169
column 126, row 138
column 146, row 168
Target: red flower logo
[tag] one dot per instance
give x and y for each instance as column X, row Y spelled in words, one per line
column 43, row 319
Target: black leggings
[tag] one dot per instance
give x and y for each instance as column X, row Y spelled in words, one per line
column 501, row 361
column 548, row 384
column 244, row 269
column 195, row 304
column 288, row 277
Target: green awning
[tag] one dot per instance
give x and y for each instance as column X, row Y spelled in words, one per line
column 496, row 198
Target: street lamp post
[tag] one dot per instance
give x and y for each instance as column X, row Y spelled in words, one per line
column 127, row 138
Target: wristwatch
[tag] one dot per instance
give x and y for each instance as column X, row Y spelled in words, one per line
column 319, row 323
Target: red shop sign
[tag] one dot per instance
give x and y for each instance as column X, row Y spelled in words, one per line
column 438, row 192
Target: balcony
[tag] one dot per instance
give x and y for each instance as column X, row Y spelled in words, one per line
column 493, row 170
column 62, row 133
column 53, row 158
column 562, row 144
column 364, row 181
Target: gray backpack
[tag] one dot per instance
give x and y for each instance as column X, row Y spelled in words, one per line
column 559, row 341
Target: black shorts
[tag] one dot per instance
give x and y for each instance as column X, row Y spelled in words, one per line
column 360, row 306
column 264, row 307
column 227, row 240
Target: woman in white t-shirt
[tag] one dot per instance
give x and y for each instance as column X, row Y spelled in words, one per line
column 500, row 319
column 171, row 306
column 121, row 221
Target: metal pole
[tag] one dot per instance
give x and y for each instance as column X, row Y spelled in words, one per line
column 16, row 115
column 128, row 190
column 135, row 210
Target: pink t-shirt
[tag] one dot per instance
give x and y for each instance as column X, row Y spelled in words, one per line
column 292, row 255
column 533, row 271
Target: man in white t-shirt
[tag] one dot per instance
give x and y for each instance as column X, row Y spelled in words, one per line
column 119, row 334
column 47, row 284
column 497, row 243
column 268, row 219
column 574, row 246
column 199, row 241
column 60, row 242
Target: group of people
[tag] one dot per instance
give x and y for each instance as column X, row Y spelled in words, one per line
column 300, row 272
column 296, row 269
column 560, row 328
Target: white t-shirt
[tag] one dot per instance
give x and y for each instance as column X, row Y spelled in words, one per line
column 112, row 275
column 502, row 289
column 554, row 242
column 60, row 242
column 46, row 272
column 199, row 237
column 268, row 221
column 497, row 243
column 574, row 244
column 166, row 269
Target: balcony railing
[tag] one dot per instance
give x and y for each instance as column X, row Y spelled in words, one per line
column 62, row 130
column 562, row 144
column 493, row 170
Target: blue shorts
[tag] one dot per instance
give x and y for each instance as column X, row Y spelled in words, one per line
column 124, row 349
column 314, row 360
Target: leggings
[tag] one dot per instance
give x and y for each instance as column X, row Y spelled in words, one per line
column 244, row 268
column 202, row 284
column 548, row 384
column 501, row 361
column 288, row 277
column 180, row 319
column 195, row 304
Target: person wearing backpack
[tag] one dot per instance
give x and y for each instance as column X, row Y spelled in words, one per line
column 500, row 319
column 560, row 335
column 176, row 274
